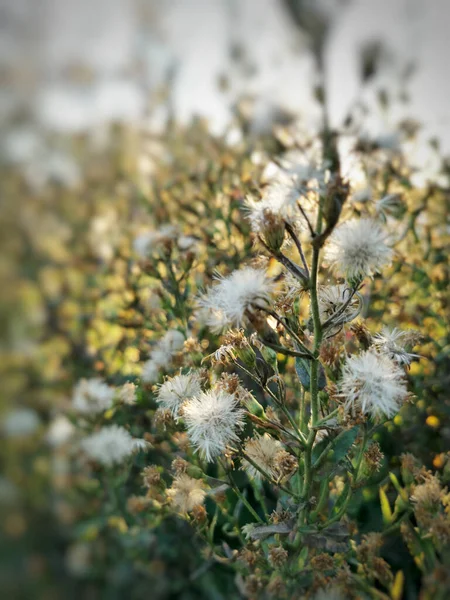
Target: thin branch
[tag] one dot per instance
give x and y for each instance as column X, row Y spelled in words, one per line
column 308, row 222
column 298, row 245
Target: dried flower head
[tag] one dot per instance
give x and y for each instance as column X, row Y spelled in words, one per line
column 226, row 303
column 127, row 393
column 151, row 476
column 358, row 248
column 175, row 391
column 392, row 342
column 276, row 206
column 373, row 458
column 179, row 465
column 111, row 445
column 373, row 384
column 186, row 493
column 212, row 420
column 163, row 417
column 137, row 504
column 269, row 455
column 428, row 495
column 337, row 305
column 278, row 556
column 92, row 396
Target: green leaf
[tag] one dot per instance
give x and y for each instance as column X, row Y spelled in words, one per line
column 342, row 444
column 303, row 369
column 303, row 372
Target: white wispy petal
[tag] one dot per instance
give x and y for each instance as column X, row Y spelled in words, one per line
column 111, row 445
column 393, row 342
column 373, row 384
column 92, row 396
column 213, row 419
column 332, row 300
column 358, row 248
column 226, row 303
column 173, row 392
column 162, row 354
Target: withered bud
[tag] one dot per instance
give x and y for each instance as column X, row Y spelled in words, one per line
column 179, row 465
column 273, row 231
column 279, row 516
column 331, row 351
column 191, row 345
column 322, row 562
column 137, row 504
column 278, row 556
column 248, row 556
column 199, row 513
column 362, row 334
column 151, row 476
column 285, row 463
column 253, row 585
column 382, row 570
column 276, row 587
column 163, row 418
column 373, row 458
column 230, row 382
column 181, row 439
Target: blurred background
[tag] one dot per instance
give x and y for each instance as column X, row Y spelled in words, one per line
column 69, row 66
column 72, row 74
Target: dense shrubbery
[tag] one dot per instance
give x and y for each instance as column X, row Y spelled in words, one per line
column 228, row 367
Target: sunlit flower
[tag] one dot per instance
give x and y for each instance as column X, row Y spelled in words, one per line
column 226, row 303
column 212, row 420
column 393, row 342
column 373, row 384
column 60, row 431
column 145, row 243
column 262, row 450
column 358, row 248
column 92, row 396
column 173, row 392
column 186, row 493
column 278, row 202
column 268, row 454
column 127, row 393
column 111, row 445
column 337, row 305
column 162, row 354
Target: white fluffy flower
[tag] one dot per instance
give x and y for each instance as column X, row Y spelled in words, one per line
column 278, row 201
column 20, row 422
column 162, row 354
column 263, row 451
column 212, row 419
column 358, row 248
column 372, row 383
column 92, row 396
column 187, row 493
column 393, row 342
column 173, row 392
column 111, row 445
column 226, row 303
column 332, row 300
column 145, row 243
column 60, row 431
column 150, row 371
column 127, row 393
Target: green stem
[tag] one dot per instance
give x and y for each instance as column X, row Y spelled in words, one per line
column 242, row 498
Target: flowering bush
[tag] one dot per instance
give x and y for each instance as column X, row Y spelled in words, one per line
column 238, row 375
